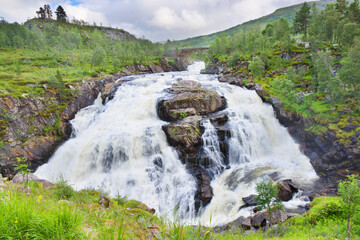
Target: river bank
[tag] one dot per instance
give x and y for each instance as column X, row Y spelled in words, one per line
column 33, row 128
column 331, row 158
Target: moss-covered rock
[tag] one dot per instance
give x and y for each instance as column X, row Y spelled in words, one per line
column 190, row 99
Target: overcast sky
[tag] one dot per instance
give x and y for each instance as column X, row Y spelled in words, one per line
column 157, row 20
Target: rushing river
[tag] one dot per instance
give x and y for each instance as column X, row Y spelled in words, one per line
column 120, row 148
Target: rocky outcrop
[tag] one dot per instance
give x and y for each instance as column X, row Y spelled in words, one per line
column 185, row 109
column 190, row 99
column 33, row 127
column 185, row 136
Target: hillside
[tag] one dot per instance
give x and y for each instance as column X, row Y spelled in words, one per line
column 32, row 54
column 49, row 70
column 287, row 13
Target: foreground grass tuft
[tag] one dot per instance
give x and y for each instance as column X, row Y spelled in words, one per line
column 40, row 214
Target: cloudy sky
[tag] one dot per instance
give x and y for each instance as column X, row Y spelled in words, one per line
column 157, row 20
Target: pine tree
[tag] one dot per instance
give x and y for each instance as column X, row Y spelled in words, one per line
column 48, row 12
column 353, row 11
column 302, row 20
column 60, row 14
column 41, row 13
column 341, row 6
column 350, row 72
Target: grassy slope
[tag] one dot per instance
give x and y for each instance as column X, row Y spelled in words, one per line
column 287, row 13
column 62, row 213
column 24, row 72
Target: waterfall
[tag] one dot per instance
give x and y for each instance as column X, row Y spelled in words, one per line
column 211, row 148
column 120, row 148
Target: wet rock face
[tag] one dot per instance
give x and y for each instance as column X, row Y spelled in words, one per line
column 189, row 105
column 185, row 135
column 30, row 128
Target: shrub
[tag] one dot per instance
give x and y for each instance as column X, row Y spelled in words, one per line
column 63, row 190
column 326, row 207
column 132, row 204
column 120, row 200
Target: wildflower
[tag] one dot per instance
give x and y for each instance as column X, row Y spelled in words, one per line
column 39, row 198
column 16, row 221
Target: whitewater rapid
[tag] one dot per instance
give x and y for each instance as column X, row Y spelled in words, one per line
column 121, row 149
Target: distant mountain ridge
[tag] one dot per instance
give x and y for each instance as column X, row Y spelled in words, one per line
column 287, row 13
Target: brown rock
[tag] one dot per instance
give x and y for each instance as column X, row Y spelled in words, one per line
column 277, row 216
column 155, row 69
column 185, row 134
column 109, row 90
column 258, row 220
column 286, row 189
column 219, row 120
column 189, row 95
column 104, row 201
column 250, row 200
column 260, row 91
column 246, row 223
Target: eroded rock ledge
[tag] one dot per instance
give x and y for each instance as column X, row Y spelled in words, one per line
column 189, row 104
column 30, row 128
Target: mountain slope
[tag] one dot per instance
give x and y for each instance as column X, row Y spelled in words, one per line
column 287, row 13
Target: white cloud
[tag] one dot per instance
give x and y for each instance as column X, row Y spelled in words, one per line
column 165, row 18
column 154, row 19
column 83, row 13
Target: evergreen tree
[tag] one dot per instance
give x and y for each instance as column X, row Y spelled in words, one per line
column 353, row 12
column 41, row 13
column 302, row 20
column 341, row 6
column 350, row 72
column 327, row 83
column 48, row 12
column 257, row 67
column 60, row 14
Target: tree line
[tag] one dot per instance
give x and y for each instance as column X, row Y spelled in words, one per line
column 46, row 13
column 91, row 46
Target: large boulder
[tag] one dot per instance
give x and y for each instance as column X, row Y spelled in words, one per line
column 246, row 223
column 185, row 135
column 21, row 178
column 250, row 200
column 190, row 99
column 286, row 189
column 276, row 216
column 258, row 220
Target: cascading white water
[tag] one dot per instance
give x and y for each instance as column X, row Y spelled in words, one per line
column 211, row 147
column 121, row 148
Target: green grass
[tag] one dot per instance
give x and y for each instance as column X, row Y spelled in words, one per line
column 38, row 69
column 41, row 215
